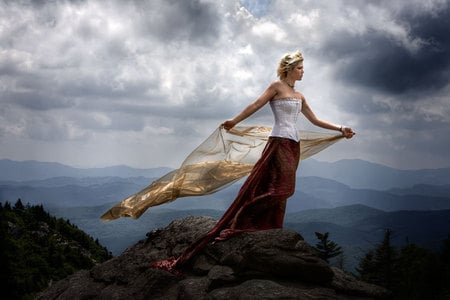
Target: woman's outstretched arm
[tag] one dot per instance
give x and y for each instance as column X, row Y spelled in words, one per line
column 265, row 97
column 306, row 110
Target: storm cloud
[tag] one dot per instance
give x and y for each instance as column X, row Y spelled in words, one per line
column 141, row 83
column 379, row 61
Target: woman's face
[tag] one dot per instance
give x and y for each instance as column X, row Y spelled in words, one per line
column 297, row 71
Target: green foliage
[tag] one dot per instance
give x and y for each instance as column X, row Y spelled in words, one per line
column 411, row 272
column 36, row 248
column 326, row 249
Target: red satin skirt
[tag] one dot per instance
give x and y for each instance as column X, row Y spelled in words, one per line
column 260, row 203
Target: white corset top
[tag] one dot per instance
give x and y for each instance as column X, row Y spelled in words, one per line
column 286, row 113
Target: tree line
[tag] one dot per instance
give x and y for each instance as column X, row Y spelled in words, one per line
column 409, row 272
column 37, row 249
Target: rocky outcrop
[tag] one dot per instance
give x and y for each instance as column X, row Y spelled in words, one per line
column 271, row 264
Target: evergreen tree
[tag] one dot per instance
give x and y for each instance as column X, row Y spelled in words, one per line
column 327, row 249
column 445, row 258
column 367, row 268
column 379, row 266
column 385, row 258
column 412, row 273
column 419, row 274
column 19, row 205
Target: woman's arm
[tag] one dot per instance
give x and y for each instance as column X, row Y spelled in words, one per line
column 306, row 110
column 265, row 97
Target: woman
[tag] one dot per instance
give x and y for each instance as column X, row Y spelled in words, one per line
column 261, row 201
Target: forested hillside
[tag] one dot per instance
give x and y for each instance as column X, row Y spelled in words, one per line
column 37, row 248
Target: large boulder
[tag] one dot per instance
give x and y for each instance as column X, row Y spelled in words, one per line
column 270, row 264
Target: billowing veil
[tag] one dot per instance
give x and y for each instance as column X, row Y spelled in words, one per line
column 223, row 158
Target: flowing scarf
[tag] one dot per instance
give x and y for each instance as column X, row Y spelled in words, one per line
column 223, row 158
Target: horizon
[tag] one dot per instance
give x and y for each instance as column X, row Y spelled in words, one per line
column 95, row 83
column 162, row 167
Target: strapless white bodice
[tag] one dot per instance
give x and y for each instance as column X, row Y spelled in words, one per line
column 286, row 113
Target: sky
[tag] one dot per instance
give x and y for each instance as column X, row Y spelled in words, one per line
column 142, row 83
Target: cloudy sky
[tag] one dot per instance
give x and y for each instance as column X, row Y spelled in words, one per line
column 141, row 83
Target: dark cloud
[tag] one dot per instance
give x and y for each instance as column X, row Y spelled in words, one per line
column 143, row 77
column 378, row 61
column 38, row 100
column 195, row 21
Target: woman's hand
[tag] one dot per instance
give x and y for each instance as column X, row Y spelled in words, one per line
column 347, row 132
column 228, row 124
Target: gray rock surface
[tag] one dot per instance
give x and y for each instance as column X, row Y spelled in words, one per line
column 270, row 264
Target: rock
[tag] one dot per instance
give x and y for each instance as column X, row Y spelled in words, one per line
column 221, row 276
column 276, row 252
column 194, row 288
column 348, row 284
column 270, row 264
column 257, row 289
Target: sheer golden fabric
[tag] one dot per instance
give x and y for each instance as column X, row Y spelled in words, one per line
column 223, row 158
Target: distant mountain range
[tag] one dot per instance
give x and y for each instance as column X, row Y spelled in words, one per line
column 312, row 193
column 354, row 173
column 11, row 170
column 354, row 200
column 362, row 174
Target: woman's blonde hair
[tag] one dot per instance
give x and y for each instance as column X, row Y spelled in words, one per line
column 287, row 63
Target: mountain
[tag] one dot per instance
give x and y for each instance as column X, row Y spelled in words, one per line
column 83, row 181
column 366, row 175
column 355, row 173
column 423, row 190
column 359, row 224
column 35, row 170
column 311, row 193
column 357, row 228
column 343, row 216
column 63, row 191
column 337, row 194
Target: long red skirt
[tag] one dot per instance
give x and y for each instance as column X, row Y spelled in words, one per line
column 261, row 201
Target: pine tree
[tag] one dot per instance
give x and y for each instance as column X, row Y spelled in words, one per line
column 367, row 268
column 327, row 249
column 379, row 266
column 19, row 205
column 385, row 258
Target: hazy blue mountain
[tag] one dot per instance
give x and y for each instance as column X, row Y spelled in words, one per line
column 358, row 228
column 338, row 194
column 311, row 193
column 34, row 170
column 84, row 181
column 363, row 174
column 94, row 191
column 424, row 189
column 354, row 173
column 343, row 216
column 425, row 228
column 100, row 191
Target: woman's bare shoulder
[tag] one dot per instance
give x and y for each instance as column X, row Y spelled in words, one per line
column 274, row 88
column 276, row 85
column 299, row 95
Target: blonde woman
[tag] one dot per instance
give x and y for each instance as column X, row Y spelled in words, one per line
column 261, row 201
